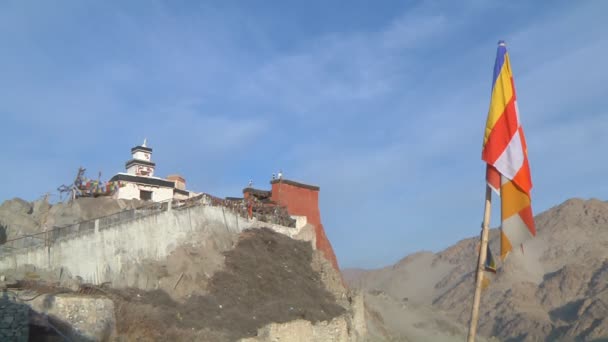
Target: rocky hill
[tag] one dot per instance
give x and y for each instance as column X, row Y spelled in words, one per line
column 216, row 283
column 556, row 290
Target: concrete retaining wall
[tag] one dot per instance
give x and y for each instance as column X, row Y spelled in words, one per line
column 98, row 255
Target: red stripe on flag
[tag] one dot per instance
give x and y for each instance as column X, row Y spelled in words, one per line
column 501, row 134
column 493, row 177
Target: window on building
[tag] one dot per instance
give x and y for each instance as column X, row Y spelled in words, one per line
column 145, row 195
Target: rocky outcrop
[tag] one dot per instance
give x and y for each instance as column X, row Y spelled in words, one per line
column 19, row 217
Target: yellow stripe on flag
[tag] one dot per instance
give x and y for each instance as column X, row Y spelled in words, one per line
column 501, row 95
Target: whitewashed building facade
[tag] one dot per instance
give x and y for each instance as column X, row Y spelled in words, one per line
column 139, row 181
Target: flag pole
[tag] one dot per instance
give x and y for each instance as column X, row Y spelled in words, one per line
column 485, row 228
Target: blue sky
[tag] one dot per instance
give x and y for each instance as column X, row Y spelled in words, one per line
column 382, row 105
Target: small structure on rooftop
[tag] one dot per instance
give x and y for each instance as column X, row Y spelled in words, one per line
column 139, row 181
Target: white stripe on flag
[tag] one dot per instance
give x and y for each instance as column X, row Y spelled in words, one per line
column 516, row 230
column 512, row 158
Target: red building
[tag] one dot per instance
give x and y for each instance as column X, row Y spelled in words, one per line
column 301, row 200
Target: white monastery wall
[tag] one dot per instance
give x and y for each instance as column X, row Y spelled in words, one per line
column 179, row 196
column 159, row 194
column 131, row 191
column 128, row 191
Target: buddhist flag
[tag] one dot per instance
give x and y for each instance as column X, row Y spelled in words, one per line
column 506, row 155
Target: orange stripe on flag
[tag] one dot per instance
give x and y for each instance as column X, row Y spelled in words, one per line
column 513, row 200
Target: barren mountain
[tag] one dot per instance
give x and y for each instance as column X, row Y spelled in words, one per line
column 555, row 289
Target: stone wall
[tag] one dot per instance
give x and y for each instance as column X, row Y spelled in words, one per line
column 14, row 321
column 77, row 317
column 301, row 330
column 348, row 327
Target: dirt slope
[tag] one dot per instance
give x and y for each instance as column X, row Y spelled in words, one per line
column 267, row 278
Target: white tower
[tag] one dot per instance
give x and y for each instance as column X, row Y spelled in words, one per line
column 141, row 162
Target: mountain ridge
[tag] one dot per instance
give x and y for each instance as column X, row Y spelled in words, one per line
column 556, row 289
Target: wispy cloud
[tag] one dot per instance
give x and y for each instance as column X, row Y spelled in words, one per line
column 339, row 68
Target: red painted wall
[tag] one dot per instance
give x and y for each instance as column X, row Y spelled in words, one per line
column 303, row 200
